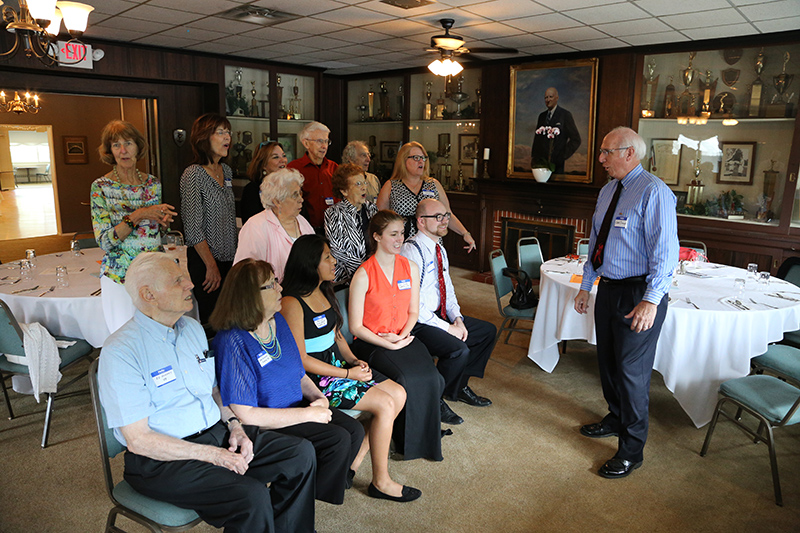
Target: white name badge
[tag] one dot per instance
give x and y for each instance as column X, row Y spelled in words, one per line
column 328, row 201
column 163, row 376
column 431, row 266
column 264, row 359
column 428, row 194
column 320, row 321
column 621, row 222
column 404, row 284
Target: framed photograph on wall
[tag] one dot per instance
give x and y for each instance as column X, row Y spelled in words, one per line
column 552, row 116
column 289, row 144
column 467, row 148
column 737, row 163
column 75, row 152
column 389, row 151
column 665, row 158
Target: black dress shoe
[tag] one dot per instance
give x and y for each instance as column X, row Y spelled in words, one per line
column 469, row 397
column 409, row 494
column 617, row 468
column 348, row 482
column 448, row 416
column 597, row 431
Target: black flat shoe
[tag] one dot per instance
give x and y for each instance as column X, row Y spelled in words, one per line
column 448, row 416
column 348, row 482
column 409, row 494
column 617, row 468
column 597, row 431
column 469, row 397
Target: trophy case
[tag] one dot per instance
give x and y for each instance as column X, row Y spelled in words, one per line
column 247, row 109
column 719, row 127
column 295, row 97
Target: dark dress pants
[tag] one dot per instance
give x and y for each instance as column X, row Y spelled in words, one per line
column 626, row 363
column 336, row 445
column 197, row 271
column 225, row 499
column 458, row 360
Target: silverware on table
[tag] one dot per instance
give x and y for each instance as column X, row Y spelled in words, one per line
column 761, row 303
column 688, row 301
column 782, row 297
column 25, row 290
column 739, row 305
column 51, row 289
column 12, row 282
column 96, row 293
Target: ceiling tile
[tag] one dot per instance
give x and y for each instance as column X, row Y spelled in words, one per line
column 748, row 2
column 399, row 12
column 572, row 34
column 507, row 9
column 398, row 45
column 188, row 32
column 233, row 27
column 773, row 10
column 112, row 34
column 357, row 35
column 704, row 19
column 124, row 23
column 289, row 48
column 170, row 16
column 241, row 42
column 167, row 41
column 400, row 27
column 554, row 48
column 524, row 40
column 783, row 24
column 355, row 16
column 604, row 14
column 633, row 27
column 674, row 7
column 206, row 7
column 300, row 7
column 332, row 64
column 564, row 5
column 465, row 3
column 357, row 50
column 214, row 47
column 655, row 38
column 277, row 35
column 112, row 7
column 538, row 23
column 321, row 42
column 598, row 44
column 490, row 30
column 366, row 60
column 311, row 25
column 731, row 30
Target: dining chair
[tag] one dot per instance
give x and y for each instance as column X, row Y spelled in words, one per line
column 697, row 246
column 502, row 287
column 780, row 360
column 153, row 514
column 13, row 361
column 772, row 402
column 583, row 246
column 529, row 256
column 85, row 239
column 790, row 271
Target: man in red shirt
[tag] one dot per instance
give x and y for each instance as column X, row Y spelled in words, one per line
column 317, row 170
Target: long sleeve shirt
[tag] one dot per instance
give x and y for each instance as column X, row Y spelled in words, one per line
column 343, row 228
column 643, row 239
column 208, row 211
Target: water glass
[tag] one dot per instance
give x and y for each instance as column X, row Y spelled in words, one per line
column 30, row 255
column 172, row 242
column 752, row 270
column 738, row 286
column 763, row 277
column 75, row 246
column 62, row 277
column 25, row 269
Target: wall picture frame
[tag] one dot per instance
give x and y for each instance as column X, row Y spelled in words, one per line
column 467, row 147
column 738, row 160
column 289, row 144
column 389, row 151
column 664, row 160
column 75, row 150
column 575, row 83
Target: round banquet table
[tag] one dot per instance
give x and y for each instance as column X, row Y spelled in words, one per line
column 699, row 348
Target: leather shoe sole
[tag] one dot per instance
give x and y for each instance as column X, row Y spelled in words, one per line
column 597, row 431
column 409, row 494
column 616, row 468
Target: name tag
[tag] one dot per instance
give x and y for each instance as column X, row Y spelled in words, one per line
column 428, row 194
column 431, row 266
column 264, row 359
column 320, row 321
column 328, row 200
column 163, row 376
column 404, row 284
column 621, row 222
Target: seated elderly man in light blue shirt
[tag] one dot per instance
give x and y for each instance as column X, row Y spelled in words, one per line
column 158, row 389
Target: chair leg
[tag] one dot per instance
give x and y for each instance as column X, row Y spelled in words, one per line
column 511, row 325
column 5, row 394
column 773, row 459
column 46, row 433
column 711, row 427
column 758, row 437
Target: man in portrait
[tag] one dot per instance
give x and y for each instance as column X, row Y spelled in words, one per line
column 556, row 148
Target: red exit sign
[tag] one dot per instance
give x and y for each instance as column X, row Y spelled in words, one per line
column 76, row 55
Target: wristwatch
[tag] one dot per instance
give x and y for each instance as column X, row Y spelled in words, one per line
column 231, row 419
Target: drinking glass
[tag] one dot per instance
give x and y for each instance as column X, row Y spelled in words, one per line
column 752, row 270
column 738, row 286
column 62, row 277
column 75, row 246
column 30, row 255
column 25, row 269
column 763, row 277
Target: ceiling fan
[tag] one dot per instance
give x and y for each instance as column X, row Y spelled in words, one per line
column 449, row 45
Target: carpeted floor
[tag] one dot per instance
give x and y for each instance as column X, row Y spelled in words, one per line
column 517, row 466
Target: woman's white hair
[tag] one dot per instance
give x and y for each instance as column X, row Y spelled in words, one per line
column 350, row 152
column 276, row 186
column 628, row 137
column 146, row 270
column 310, row 128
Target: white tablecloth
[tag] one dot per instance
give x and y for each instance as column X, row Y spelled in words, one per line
column 698, row 348
column 71, row 311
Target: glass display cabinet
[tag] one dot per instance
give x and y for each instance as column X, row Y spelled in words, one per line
column 247, row 109
column 295, row 97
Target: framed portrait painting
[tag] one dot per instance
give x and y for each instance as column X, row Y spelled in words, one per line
column 75, row 152
column 737, row 163
column 389, row 151
column 552, row 117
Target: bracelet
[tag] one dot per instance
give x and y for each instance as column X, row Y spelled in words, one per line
column 348, row 374
column 127, row 219
column 231, row 419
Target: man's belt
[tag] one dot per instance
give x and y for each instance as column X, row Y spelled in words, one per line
column 625, row 281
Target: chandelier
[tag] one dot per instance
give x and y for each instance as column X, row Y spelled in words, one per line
column 18, row 106
column 36, row 27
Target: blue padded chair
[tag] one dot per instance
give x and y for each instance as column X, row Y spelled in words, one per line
column 502, row 287
column 153, row 514
column 771, row 401
column 780, row 360
column 342, row 297
column 11, row 344
column 529, row 256
column 790, row 271
column 583, row 247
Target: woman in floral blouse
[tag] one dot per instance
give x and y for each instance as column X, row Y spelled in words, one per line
column 127, row 215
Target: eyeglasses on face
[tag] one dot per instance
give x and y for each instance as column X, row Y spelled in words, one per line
column 359, row 183
column 222, row 132
column 438, row 216
column 321, row 142
column 417, row 158
column 269, row 286
column 606, row 152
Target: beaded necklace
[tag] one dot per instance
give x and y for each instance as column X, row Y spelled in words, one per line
column 270, row 344
column 138, row 177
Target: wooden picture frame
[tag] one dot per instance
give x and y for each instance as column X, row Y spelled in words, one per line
column 75, row 150
column 389, row 151
column 576, row 85
column 288, row 142
column 468, row 144
column 665, row 159
column 738, row 160
column 699, row 161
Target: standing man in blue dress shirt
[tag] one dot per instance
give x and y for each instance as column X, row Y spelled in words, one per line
column 462, row 344
column 159, row 393
column 636, row 260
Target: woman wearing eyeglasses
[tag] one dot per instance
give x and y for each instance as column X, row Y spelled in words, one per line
column 347, row 222
column 269, row 158
column 410, row 184
column 269, row 235
column 208, row 210
column 261, row 376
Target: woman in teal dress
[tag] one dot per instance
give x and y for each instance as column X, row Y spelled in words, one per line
column 313, row 315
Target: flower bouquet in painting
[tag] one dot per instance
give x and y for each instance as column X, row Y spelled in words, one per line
column 543, row 168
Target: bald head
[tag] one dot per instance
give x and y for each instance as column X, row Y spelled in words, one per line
column 551, row 97
column 427, row 211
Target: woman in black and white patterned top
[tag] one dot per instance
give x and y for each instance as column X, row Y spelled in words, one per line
column 208, row 210
column 410, row 184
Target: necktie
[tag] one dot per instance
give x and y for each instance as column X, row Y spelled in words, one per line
column 442, row 289
column 599, row 246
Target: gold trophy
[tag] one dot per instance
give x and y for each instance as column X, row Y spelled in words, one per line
column 371, row 104
column 757, row 89
column 780, row 106
column 670, row 108
column 708, row 90
column 253, row 101
column 687, row 101
column 427, row 110
column 650, row 86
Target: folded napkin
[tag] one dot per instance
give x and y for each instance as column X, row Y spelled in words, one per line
column 41, row 357
column 578, row 278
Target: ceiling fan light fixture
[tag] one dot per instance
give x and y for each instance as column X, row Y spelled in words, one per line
column 447, row 42
column 445, row 67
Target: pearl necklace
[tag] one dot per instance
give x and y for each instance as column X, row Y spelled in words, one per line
column 138, row 177
column 270, row 344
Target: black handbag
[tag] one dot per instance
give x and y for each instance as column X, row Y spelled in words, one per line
column 522, row 296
